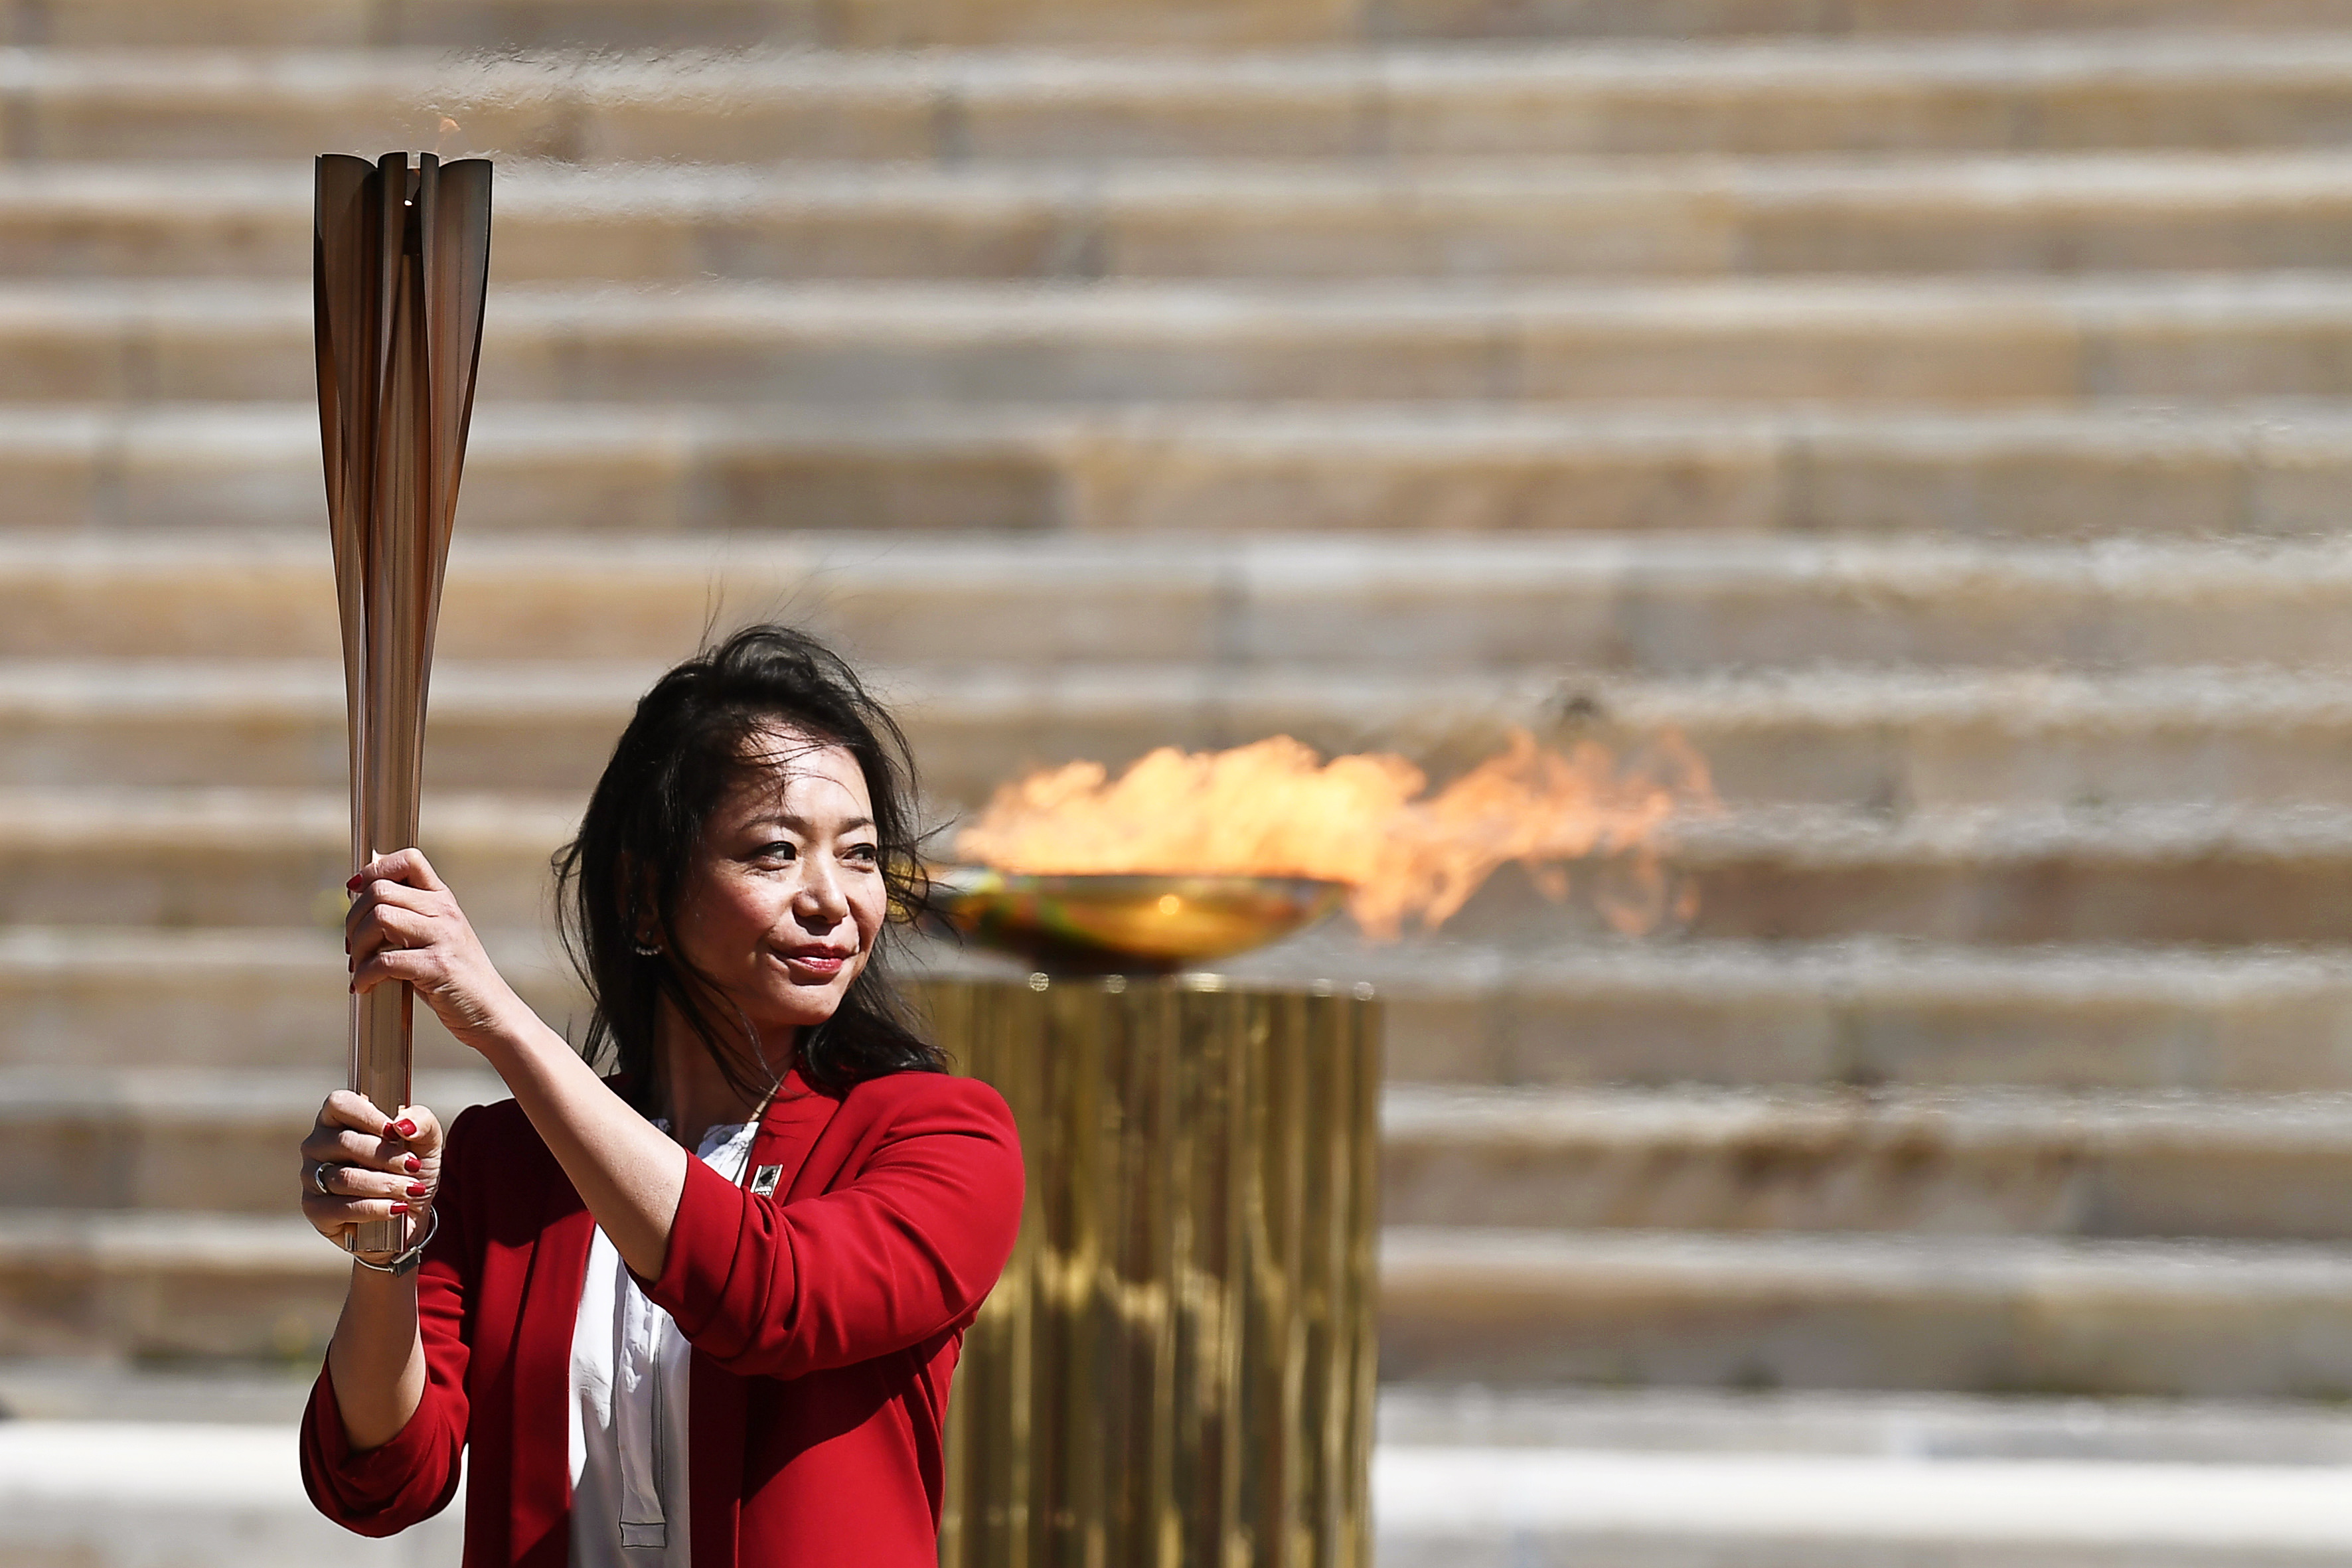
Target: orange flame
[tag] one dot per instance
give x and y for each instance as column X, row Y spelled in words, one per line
column 1276, row 809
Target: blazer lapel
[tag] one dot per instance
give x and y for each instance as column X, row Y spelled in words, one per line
column 796, row 1119
column 717, row 1436
column 543, row 1381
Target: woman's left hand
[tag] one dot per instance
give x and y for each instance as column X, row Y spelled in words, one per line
column 404, row 924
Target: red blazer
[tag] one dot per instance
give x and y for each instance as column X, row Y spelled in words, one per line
column 824, row 1324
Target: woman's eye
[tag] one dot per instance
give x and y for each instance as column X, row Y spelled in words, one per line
column 864, row 854
column 779, row 852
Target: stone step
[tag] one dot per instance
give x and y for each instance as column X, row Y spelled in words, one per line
column 1844, row 18
column 60, row 1389
column 221, row 858
column 1866, row 1013
column 63, row 1393
column 732, row 24
column 2265, row 469
column 2016, row 1315
column 188, row 1138
column 1884, row 740
column 915, row 23
column 224, row 1002
column 1521, row 1508
column 114, row 1494
column 1450, row 220
column 1984, row 342
column 1788, row 1158
column 1923, row 1427
column 166, row 1284
column 1860, row 1013
column 188, row 1494
column 2155, row 875
column 1578, row 1014
column 2017, row 1162
column 109, row 1495
column 108, row 856
column 2060, row 93
column 1967, row 1313
column 1900, row 741
column 1657, row 605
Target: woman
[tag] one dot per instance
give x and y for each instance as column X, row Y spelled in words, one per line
column 706, row 1309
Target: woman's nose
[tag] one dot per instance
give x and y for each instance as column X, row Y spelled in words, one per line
column 821, row 898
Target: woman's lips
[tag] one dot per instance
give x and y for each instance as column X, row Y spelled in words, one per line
column 826, row 964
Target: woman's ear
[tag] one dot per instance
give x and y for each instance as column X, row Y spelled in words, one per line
column 640, row 911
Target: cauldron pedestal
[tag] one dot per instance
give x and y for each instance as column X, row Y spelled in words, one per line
column 1177, row 1369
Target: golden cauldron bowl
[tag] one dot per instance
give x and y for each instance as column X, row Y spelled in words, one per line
column 1103, row 924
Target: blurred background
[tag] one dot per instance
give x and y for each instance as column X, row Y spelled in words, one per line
column 1937, row 412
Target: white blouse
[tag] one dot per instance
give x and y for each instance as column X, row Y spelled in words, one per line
column 629, row 1367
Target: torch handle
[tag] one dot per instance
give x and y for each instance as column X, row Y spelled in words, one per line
column 383, row 1023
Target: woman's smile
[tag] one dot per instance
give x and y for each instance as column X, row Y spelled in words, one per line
column 820, row 963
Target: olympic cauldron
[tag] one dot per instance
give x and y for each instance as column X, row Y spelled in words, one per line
column 1176, row 1368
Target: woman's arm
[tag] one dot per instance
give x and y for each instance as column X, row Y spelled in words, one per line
column 628, row 1172
column 360, row 1164
column 383, row 1433
column 376, row 1358
column 405, row 925
column 908, row 1247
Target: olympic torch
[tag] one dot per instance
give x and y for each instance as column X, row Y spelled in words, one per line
column 399, row 266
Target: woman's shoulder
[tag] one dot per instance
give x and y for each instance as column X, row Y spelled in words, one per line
column 927, row 1097
column 937, row 1123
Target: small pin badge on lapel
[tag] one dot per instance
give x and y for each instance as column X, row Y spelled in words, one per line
column 765, row 1180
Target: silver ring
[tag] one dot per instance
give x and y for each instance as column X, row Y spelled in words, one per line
column 318, row 1178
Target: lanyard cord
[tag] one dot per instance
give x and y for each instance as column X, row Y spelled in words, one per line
column 767, row 1100
column 751, row 1135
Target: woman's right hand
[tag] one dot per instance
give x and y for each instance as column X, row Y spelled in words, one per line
column 359, row 1165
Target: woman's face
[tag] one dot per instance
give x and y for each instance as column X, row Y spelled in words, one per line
column 785, row 896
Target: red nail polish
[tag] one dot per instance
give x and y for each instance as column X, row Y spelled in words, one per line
column 417, row 1189
column 392, row 1130
column 400, row 1208
column 353, row 885
column 408, row 1128
column 413, row 1165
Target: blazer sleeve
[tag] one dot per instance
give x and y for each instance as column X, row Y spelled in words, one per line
column 382, row 1492
column 907, row 1247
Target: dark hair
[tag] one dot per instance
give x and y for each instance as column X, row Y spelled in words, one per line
column 686, row 746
